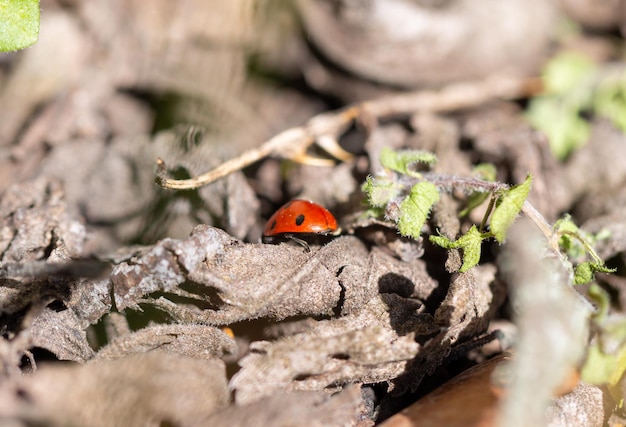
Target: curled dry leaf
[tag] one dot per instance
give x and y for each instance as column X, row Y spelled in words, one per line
column 233, row 281
column 35, row 221
column 471, row 301
column 60, row 333
column 400, row 43
column 198, row 341
column 140, row 390
column 37, row 236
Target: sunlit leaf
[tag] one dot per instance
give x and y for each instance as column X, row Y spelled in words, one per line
column 402, row 161
column 509, row 206
column 19, row 24
column 415, row 207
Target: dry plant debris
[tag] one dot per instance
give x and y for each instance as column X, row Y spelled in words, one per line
column 124, row 303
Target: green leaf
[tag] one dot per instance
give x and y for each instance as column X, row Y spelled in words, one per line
column 561, row 123
column 602, row 301
column 401, row 161
column 568, row 81
column 601, row 368
column 19, row 24
column 508, row 208
column 606, row 357
column 470, row 243
column 486, row 171
column 566, row 72
column 566, row 229
column 380, row 191
column 415, row 207
column 610, row 100
column 584, row 272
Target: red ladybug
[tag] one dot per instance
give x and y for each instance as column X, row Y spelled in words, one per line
column 297, row 219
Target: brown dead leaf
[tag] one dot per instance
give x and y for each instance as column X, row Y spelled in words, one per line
column 60, row 333
column 313, row 409
column 358, row 348
column 197, row 341
column 500, row 135
column 234, row 279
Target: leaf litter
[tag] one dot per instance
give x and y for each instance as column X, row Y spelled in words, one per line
column 195, row 325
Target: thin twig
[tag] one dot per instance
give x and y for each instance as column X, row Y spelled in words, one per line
column 326, row 128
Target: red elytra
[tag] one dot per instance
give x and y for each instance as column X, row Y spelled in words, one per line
column 299, row 217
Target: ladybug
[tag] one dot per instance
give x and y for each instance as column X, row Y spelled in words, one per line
column 297, row 219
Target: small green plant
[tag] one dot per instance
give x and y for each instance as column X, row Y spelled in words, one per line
column 575, row 86
column 19, row 24
column 406, row 195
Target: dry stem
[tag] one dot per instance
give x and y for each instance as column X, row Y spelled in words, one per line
column 326, row 128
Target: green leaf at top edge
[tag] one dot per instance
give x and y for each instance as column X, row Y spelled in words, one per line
column 19, row 24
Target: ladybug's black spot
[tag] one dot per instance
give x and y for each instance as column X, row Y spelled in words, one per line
column 273, row 225
column 299, row 219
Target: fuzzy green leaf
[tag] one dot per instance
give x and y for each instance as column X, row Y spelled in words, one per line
column 19, row 24
column 401, row 161
column 509, row 206
column 585, row 271
column 380, row 191
column 415, row 207
column 470, row 243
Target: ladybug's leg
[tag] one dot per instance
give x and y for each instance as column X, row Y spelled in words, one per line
column 301, row 242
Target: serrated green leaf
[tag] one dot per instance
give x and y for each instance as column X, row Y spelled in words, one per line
column 19, row 24
column 415, row 207
column 442, row 241
column 470, row 243
column 380, row 191
column 584, row 272
column 508, row 208
column 402, row 160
